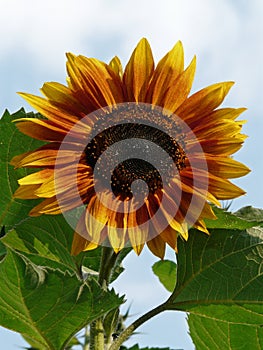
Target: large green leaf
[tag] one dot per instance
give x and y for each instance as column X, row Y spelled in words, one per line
column 220, row 283
column 45, row 240
column 13, row 211
column 48, row 307
column 208, row 333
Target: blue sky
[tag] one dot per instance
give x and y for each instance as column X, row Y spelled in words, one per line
column 226, row 36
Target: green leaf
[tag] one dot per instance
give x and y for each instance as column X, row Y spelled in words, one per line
column 2, row 251
column 220, row 283
column 2, row 247
column 208, row 333
column 45, row 240
column 48, row 307
column 13, row 211
column 136, row 347
column 250, row 214
column 90, row 259
column 165, row 270
column 222, row 267
column 229, row 221
column 220, row 335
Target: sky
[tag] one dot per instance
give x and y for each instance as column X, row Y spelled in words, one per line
column 225, row 35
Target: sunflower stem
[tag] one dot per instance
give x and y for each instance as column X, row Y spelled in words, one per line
column 97, row 335
column 107, row 262
column 108, row 259
column 130, row 329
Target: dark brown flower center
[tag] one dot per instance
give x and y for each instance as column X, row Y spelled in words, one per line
column 138, row 145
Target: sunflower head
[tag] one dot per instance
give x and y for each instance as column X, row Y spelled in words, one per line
column 141, row 158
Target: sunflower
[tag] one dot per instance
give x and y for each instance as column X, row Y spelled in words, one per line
column 142, row 159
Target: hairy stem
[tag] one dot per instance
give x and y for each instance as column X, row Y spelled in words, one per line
column 97, row 335
column 108, row 259
column 129, row 330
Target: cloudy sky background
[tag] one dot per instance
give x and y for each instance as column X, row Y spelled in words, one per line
column 226, row 36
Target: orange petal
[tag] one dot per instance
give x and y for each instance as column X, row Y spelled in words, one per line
column 41, row 158
column 179, row 90
column 46, row 108
column 170, row 211
column 36, row 178
column 200, row 225
column 52, row 206
column 80, row 244
column 218, row 114
column 166, row 72
column 169, row 235
column 207, row 212
column 47, row 155
column 116, row 229
column 224, row 189
column 227, row 168
column 138, row 227
column 138, row 72
column 116, row 66
column 102, row 86
column 26, row 192
column 74, row 81
column 96, row 219
column 187, row 185
column 203, row 101
column 41, row 129
column 48, row 206
column 63, row 179
column 220, row 188
column 63, row 97
column 156, row 245
column 218, row 129
column 224, row 146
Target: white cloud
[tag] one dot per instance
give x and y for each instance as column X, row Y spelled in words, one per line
column 222, row 34
column 49, row 28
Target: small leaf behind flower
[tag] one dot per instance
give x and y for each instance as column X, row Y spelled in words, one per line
column 238, row 220
column 165, row 270
column 250, row 214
